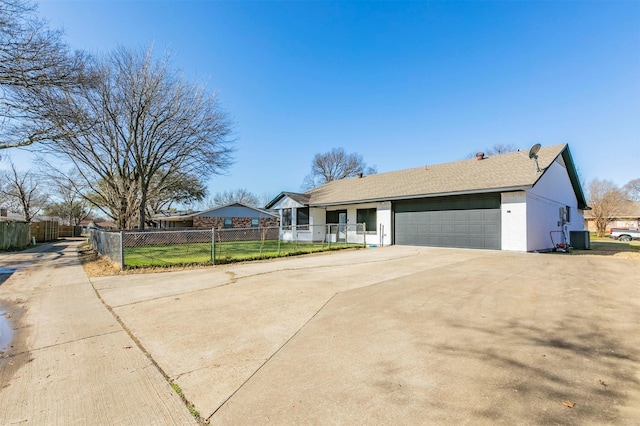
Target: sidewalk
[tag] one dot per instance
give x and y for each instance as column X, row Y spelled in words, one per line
column 70, row 361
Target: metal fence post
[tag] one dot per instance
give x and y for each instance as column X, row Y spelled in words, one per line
column 213, row 246
column 294, row 234
column 364, row 234
column 327, row 235
column 279, row 239
column 122, row 250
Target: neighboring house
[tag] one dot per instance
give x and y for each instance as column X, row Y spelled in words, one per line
column 627, row 217
column 502, row 202
column 6, row 215
column 235, row 215
column 88, row 224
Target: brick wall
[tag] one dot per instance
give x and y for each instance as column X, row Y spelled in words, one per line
column 237, row 222
column 208, row 222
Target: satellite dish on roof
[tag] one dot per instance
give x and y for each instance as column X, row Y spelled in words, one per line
column 533, row 153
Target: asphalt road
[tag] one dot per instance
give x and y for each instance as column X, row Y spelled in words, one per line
column 389, row 335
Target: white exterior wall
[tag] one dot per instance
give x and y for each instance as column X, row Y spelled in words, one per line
column 288, row 203
column 317, row 216
column 514, row 221
column 317, row 219
column 383, row 219
column 384, row 223
column 352, row 219
column 552, row 192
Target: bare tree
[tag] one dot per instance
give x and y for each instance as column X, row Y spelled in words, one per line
column 23, row 192
column 234, row 196
column 632, row 189
column 136, row 130
column 606, row 201
column 333, row 165
column 70, row 213
column 71, row 206
column 32, row 58
column 117, row 199
column 178, row 189
column 266, row 197
column 496, row 149
column 501, row 149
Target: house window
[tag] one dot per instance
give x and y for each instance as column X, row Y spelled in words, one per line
column 302, row 218
column 286, row 217
column 332, row 216
column 228, row 222
column 369, row 218
column 568, row 214
column 255, row 223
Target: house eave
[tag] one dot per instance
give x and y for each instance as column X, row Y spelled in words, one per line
column 575, row 179
column 432, row 195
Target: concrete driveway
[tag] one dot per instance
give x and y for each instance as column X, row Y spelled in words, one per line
column 396, row 335
column 68, row 361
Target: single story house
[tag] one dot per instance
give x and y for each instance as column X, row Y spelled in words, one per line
column 88, row 224
column 6, row 215
column 235, row 215
column 513, row 201
column 627, row 217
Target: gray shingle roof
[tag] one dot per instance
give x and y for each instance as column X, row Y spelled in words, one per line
column 200, row 213
column 495, row 173
column 300, row 198
column 295, row 196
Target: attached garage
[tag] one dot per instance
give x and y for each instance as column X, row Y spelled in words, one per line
column 467, row 221
column 513, row 201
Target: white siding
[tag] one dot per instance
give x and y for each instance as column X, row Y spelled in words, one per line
column 514, row 221
column 552, row 192
column 287, row 234
column 384, row 223
column 286, row 203
column 317, row 219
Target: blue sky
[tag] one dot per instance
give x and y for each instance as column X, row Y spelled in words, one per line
column 402, row 83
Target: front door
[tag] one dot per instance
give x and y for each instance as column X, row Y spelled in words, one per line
column 342, row 226
column 337, row 225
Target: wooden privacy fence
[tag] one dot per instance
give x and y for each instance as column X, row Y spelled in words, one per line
column 14, row 235
column 69, row 231
column 46, row 230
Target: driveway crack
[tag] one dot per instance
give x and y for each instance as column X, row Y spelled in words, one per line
column 272, row 356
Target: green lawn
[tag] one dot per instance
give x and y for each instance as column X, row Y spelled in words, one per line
column 200, row 253
column 165, row 255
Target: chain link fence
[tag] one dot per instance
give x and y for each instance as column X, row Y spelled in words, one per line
column 206, row 246
column 260, row 243
column 108, row 244
column 163, row 248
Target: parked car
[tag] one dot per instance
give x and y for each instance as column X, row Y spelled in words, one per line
column 623, row 234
